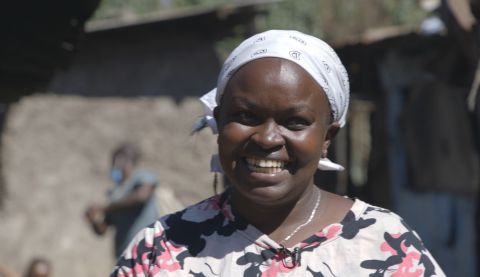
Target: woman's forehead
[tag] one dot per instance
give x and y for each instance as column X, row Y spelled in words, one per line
column 274, row 77
column 269, row 65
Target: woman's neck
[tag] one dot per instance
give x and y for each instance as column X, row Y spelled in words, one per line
column 277, row 220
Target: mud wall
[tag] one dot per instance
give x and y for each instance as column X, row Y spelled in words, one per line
column 56, row 155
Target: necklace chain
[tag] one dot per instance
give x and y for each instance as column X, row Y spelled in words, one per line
column 310, row 218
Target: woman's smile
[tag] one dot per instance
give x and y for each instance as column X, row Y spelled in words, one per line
column 265, row 172
column 265, row 166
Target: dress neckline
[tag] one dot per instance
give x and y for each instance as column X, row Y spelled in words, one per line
column 321, row 237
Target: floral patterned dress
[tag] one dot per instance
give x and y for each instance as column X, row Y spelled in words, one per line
column 208, row 239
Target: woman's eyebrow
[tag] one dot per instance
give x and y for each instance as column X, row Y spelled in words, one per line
column 295, row 108
column 299, row 108
column 243, row 101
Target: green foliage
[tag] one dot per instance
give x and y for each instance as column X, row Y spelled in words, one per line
column 341, row 19
column 183, row 3
column 333, row 20
column 301, row 15
column 326, row 18
column 405, row 12
column 119, row 8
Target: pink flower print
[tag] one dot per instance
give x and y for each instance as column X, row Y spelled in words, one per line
column 409, row 266
column 165, row 259
column 277, row 266
column 409, row 263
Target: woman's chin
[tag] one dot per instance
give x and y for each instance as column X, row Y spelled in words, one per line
column 264, row 195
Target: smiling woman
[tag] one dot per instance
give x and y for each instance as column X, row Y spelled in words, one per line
column 281, row 97
column 274, row 126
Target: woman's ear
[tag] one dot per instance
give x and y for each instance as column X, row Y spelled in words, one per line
column 332, row 130
column 331, row 133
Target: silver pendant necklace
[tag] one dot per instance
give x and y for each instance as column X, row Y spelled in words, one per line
column 310, row 218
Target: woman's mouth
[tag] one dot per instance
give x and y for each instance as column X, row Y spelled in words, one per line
column 265, row 166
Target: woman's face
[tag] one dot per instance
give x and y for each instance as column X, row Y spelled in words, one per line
column 274, row 124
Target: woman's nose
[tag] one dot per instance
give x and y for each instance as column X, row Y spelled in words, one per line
column 268, row 135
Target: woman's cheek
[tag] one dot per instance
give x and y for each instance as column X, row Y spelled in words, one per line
column 309, row 147
column 230, row 138
column 235, row 132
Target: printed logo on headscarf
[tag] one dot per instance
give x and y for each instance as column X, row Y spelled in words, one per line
column 259, row 52
column 327, row 67
column 260, row 39
column 334, row 109
column 295, row 54
column 325, row 82
column 229, row 63
column 299, row 40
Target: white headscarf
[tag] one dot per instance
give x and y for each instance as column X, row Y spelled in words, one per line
column 312, row 54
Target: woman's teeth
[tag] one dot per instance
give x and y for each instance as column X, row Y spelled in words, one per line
column 265, row 166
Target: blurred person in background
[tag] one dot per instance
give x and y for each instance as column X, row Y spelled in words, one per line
column 131, row 203
column 39, row 267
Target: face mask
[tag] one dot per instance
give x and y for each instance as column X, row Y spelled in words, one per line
column 117, row 175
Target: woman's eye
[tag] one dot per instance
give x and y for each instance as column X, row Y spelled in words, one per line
column 297, row 123
column 246, row 118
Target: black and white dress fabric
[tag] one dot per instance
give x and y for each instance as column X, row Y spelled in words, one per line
column 209, row 239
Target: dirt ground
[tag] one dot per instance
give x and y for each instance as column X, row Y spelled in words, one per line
column 56, row 155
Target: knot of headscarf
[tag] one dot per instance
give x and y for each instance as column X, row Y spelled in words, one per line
column 315, row 56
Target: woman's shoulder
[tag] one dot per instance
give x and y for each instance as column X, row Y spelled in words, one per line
column 198, row 212
column 364, row 209
column 355, row 212
column 379, row 219
column 179, row 224
column 384, row 230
